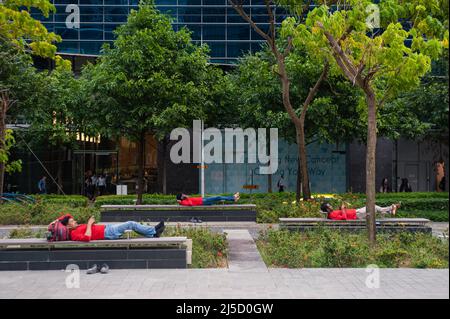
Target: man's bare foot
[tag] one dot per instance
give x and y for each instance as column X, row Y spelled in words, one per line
column 394, row 209
column 237, row 196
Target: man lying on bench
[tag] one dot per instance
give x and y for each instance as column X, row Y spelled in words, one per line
column 185, row 200
column 92, row 231
column 351, row 214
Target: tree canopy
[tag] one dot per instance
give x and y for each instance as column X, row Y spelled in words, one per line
column 151, row 80
column 25, row 32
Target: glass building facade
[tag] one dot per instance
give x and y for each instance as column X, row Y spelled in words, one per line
column 85, row 25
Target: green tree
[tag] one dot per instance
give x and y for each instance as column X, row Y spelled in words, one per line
column 59, row 112
column 281, row 49
column 151, row 80
column 17, row 83
column 27, row 34
column 428, row 103
column 380, row 62
column 332, row 116
column 19, row 34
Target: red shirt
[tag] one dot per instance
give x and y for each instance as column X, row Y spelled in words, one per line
column 350, row 214
column 192, row 201
column 97, row 233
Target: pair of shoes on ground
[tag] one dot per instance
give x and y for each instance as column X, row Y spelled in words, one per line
column 196, row 220
column 104, row 269
column 159, row 229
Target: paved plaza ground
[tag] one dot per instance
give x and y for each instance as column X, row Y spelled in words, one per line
column 246, row 277
column 227, row 283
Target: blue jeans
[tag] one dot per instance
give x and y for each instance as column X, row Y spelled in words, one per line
column 215, row 199
column 116, row 231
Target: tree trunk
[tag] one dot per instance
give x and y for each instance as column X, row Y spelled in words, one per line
column 59, row 172
column 298, row 193
column 140, row 162
column 269, row 176
column 303, row 163
column 4, row 102
column 303, row 166
column 164, row 165
column 2, row 145
column 370, row 163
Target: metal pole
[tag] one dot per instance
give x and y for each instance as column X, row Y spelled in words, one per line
column 202, row 165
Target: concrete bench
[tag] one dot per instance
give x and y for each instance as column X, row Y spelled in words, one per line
column 390, row 225
column 178, row 213
column 139, row 253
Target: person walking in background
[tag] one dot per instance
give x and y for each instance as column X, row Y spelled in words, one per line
column 94, row 185
column 108, row 179
column 88, row 188
column 42, row 185
column 405, row 186
column 384, row 188
column 101, row 183
column 440, row 176
column 280, row 184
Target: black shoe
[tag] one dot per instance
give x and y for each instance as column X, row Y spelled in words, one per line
column 160, row 224
column 104, row 269
column 93, row 270
column 160, row 230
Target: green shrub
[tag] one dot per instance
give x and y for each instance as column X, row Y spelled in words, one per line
column 327, row 248
column 209, row 250
column 42, row 213
column 27, row 233
column 433, row 215
column 289, row 210
column 148, row 199
column 14, row 214
column 270, row 206
column 66, row 200
column 403, row 195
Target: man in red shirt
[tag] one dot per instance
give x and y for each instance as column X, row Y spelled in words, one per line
column 92, row 231
column 185, row 200
column 351, row 214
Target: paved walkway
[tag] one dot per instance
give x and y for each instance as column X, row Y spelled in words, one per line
column 243, row 254
column 224, row 283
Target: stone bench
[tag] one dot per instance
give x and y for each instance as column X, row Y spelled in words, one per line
column 178, row 213
column 139, row 253
column 391, row 225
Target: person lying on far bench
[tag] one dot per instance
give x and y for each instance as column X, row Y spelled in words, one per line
column 185, row 200
column 92, row 231
column 345, row 213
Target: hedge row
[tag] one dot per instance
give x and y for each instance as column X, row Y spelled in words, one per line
column 270, row 206
column 331, row 249
column 42, row 213
column 433, row 215
column 65, row 200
